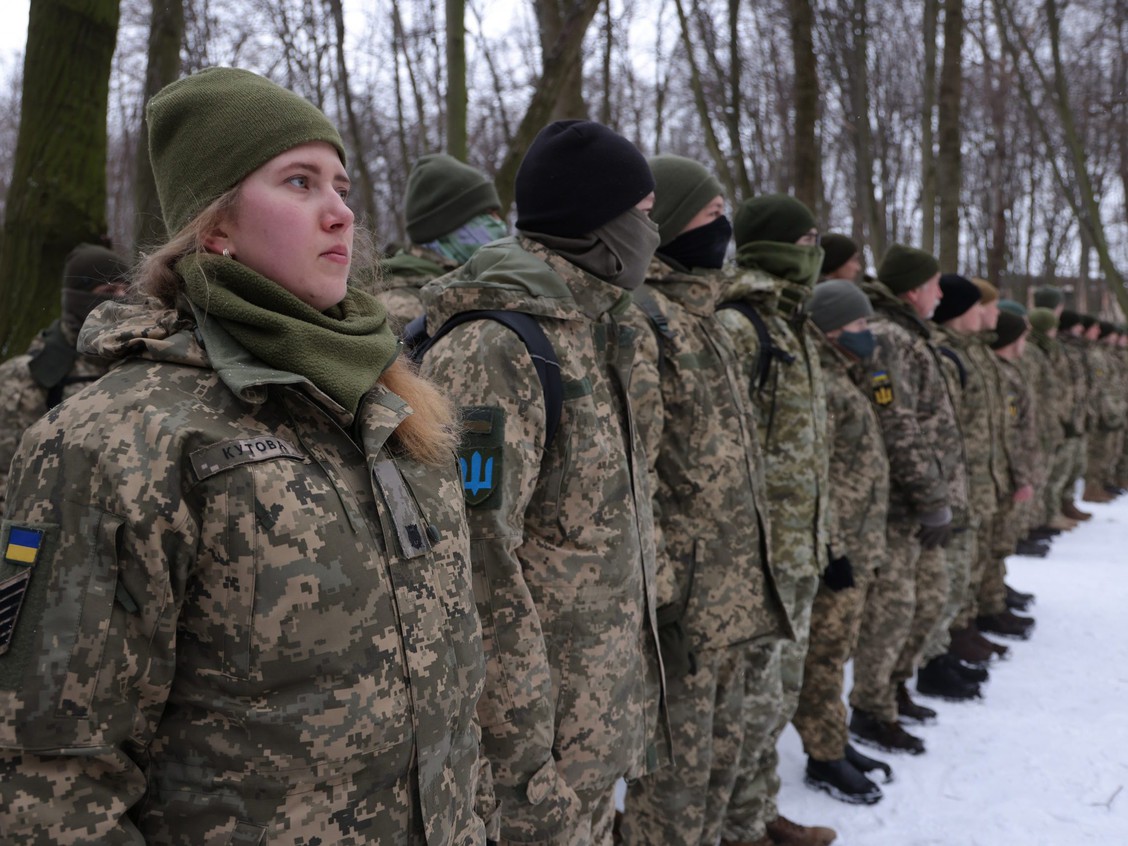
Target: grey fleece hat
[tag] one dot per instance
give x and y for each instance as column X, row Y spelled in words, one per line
column 837, row 302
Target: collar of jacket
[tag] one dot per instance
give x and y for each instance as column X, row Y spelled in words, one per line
column 517, row 274
column 415, row 262
column 753, row 286
column 954, row 338
column 697, row 292
column 884, row 300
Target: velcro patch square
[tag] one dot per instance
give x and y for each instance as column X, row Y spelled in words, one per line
column 23, row 545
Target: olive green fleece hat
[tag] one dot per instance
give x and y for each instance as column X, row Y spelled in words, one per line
column 772, row 217
column 905, row 268
column 1048, row 297
column 209, row 130
column 1042, row 319
column 682, row 188
column 442, row 194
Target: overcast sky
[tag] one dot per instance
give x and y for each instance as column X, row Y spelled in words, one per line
column 13, row 33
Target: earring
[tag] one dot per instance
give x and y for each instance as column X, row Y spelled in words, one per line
column 226, row 253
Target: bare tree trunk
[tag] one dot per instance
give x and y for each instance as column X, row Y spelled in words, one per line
column 456, row 97
column 166, row 34
column 416, row 94
column 57, row 197
column 948, row 163
column 608, row 53
column 559, row 63
column 927, row 142
column 807, row 159
column 873, row 213
column 553, row 17
column 735, row 111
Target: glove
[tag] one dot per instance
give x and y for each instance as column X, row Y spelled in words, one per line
column 673, row 642
column 839, row 573
column 935, row 528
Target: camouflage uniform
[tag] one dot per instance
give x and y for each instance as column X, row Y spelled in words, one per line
column 1077, row 444
column 713, row 569
column 1043, row 357
column 1108, row 408
column 24, row 397
column 859, row 500
column 1059, row 396
column 1023, row 459
column 913, row 407
column 562, row 541
column 403, row 275
column 982, row 424
column 791, row 420
column 240, row 624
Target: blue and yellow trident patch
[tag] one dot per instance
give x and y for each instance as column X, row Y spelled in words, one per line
column 882, row 388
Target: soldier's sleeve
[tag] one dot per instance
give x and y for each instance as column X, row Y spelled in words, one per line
column 87, row 647
column 1029, row 462
column 746, row 344
column 897, row 380
column 22, row 402
column 487, row 372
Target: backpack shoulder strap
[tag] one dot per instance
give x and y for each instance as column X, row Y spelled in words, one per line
column 768, row 349
column 960, row 368
column 418, row 342
column 644, row 299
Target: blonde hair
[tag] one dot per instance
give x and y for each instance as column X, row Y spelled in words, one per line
column 429, row 435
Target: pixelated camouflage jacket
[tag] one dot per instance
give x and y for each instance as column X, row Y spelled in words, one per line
column 791, row 422
column 1025, row 462
column 403, row 275
column 912, row 404
column 23, row 399
column 247, row 618
column 859, row 468
column 1075, row 354
column 979, row 424
column 709, row 490
column 1108, row 403
column 562, row 540
column 1047, row 396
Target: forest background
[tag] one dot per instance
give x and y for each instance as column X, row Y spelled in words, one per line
column 992, row 132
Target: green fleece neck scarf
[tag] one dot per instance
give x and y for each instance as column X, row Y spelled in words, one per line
column 791, row 262
column 342, row 351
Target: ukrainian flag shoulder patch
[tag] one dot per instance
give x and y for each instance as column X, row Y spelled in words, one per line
column 23, row 545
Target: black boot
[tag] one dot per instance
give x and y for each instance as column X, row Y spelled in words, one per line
column 937, row 678
column 868, row 729
column 842, row 781
column 909, row 710
column 968, row 672
column 1028, row 548
column 866, row 764
column 1006, row 624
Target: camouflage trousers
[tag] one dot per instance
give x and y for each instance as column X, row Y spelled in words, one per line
column 1102, row 458
column 758, row 781
column 981, row 555
column 1007, row 528
column 719, row 716
column 959, row 556
column 1061, row 464
column 886, row 623
column 836, row 619
column 932, row 588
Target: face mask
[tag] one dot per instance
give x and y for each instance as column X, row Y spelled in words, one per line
column 862, row 344
column 631, row 238
column 464, row 241
column 704, row 246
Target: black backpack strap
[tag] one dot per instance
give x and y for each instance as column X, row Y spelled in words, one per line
column 954, row 356
column 768, row 349
column 658, row 322
column 417, row 342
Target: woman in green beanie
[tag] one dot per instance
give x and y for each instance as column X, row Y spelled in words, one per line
column 239, row 561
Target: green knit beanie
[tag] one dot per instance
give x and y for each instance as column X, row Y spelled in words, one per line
column 682, row 188
column 905, row 268
column 837, row 250
column 1048, row 297
column 209, row 130
column 773, row 217
column 1043, row 319
column 442, row 194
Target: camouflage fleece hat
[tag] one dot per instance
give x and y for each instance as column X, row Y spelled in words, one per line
column 442, row 194
column 682, row 188
column 209, row 130
column 1042, row 319
column 906, row 268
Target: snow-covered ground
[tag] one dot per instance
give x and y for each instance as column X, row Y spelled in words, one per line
column 1042, row 759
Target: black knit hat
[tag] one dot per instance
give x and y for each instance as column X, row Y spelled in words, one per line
column 577, row 176
column 773, row 217
column 682, row 188
column 442, row 194
column 1068, row 320
column 960, row 294
column 209, row 130
column 1048, row 296
column 837, row 302
column 89, row 266
column 837, row 250
column 1087, row 320
column 905, row 268
column 1107, row 328
column 1009, row 329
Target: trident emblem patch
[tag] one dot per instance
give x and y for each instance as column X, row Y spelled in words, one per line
column 480, row 454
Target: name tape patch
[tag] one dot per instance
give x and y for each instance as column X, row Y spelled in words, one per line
column 227, row 454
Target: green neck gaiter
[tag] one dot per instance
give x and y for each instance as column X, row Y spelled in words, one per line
column 342, row 350
column 798, row 266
